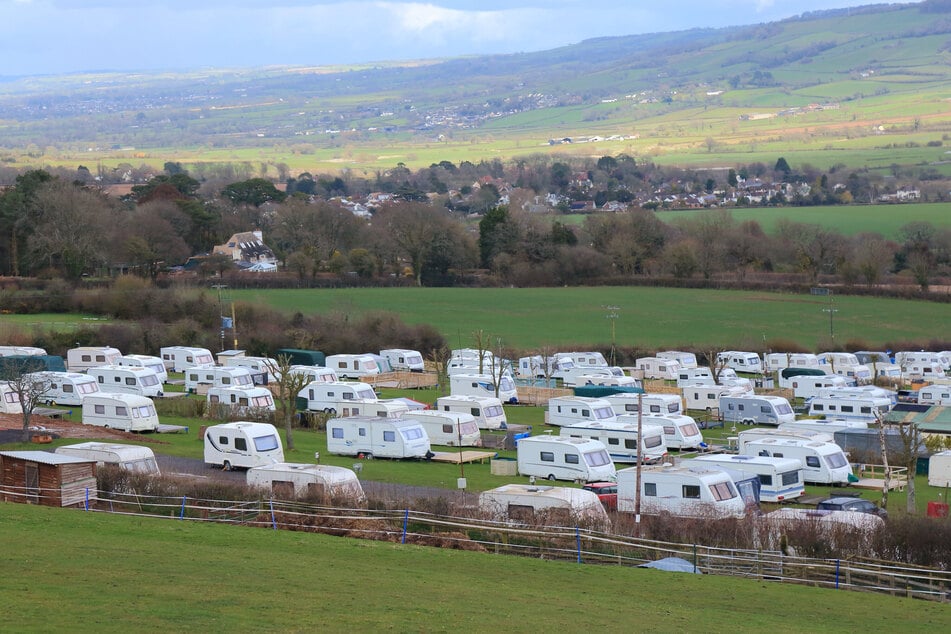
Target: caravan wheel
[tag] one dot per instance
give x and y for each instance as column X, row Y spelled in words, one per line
column 226, row 466
column 748, row 421
column 551, row 476
column 331, row 411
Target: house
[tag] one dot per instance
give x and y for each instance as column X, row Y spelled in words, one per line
column 47, row 479
column 247, row 247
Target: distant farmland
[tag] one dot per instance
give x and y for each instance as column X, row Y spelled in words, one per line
column 648, row 318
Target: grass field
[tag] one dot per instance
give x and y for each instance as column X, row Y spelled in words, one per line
column 648, row 318
column 74, row 571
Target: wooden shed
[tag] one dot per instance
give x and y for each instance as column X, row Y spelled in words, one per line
column 48, row 479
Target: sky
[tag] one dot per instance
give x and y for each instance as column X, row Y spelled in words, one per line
column 64, row 36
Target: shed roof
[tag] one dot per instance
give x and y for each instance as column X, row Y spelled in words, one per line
column 44, row 457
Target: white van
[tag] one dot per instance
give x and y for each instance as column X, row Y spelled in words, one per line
column 935, row 395
column 483, row 385
column 146, row 361
column 561, row 458
column 656, row 404
column 680, row 431
column 9, row 399
column 561, row 506
column 66, row 388
column 217, row 376
column 242, row 445
column 687, row 360
column 263, row 367
column 135, row 458
column 740, row 361
column 822, row 462
column 756, row 410
column 353, row 366
column 127, row 380
column 570, row 410
column 180, row 358
column 680, row 491
column 402, row 359
column 126, row 412
column 453, row 429
column 656, row 368
column 780, row 478
column 846, row 364
column 84, row 357
column 487, row 411
column 241, row 399
column 620, row 439
column 374, row 437
column 290, row 479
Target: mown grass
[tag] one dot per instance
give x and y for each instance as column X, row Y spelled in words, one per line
column 649, row 318
column 75, row 571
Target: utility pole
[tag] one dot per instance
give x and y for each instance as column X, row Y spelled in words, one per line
column 637, row 489
column 832, row 310
column 613, row 315
column 221, row 320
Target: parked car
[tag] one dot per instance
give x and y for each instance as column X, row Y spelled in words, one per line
column 846, row 503
column 606, row 492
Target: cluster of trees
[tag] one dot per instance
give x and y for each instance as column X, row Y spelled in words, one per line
column 425, row 228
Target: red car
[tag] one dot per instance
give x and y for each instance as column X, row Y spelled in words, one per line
column 606, row 492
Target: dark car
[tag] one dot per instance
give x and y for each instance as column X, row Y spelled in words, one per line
column 606, row 492
column 845, row 503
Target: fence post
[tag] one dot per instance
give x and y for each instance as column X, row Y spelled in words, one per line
column 273, row 521
column 695, row 557
column 578, row 542
column 87, row 499
column 181, row 515
column 405, row 522
column 837, row 574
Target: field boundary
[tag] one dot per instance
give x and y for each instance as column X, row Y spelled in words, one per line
column 566, row 543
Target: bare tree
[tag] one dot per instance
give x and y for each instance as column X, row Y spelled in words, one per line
column 289, row 385
column 911, row 444
column 439, row 357
column 30, row 388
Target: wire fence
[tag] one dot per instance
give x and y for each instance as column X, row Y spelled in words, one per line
column 580, row 545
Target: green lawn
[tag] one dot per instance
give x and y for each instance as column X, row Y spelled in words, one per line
column 69, row 570
column 648, row 318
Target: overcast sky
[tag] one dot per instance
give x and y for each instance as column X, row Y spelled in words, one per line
column 57, row 36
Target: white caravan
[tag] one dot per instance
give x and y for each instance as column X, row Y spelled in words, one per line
column 134, row 458
column 935, row 395
column 453, row 429
column 687, row 360
column 589, row 359
column 695, row 376
column 680, row 491
column 748, row 362
column 657, row 368
column 483, row 385
column 85, row 357
column 255, row 365
column 570, row 410
column 780, row 478
column 880, row 363
column 809, row 385
column 847, row 364
column 290, row 479
column 315, row 373
column 756, row 410
column 863, row 391
column 756, row 434
column 922, row 357
column 822, row 462
column 604, row 380
column 822, row 425
column 680, row 432
column 776, row 361
column 487, row 411
column 562, row 506
column 575, row 375
column 402, row 359
column 729, row 377
column 374, row 437
column 146, row 361
column 561, row 458
column 66, row 388
column 21, row 351
column 865, row 409
column 180, row 358
column 349, row 399
column 127, row 380
column 939, row 469
column 217, row 376
column 126, row 412
column 9, row 399
column 539, row 367
column 353, row 366
column 242, row 400
column 242, row 445
column 620, row 439
column 923, row 370
column 657, row 404
column 707, row 397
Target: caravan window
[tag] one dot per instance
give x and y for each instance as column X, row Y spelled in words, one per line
column 866, row 410
column 630, row 443
column 100, row 409
column 848, row 408
column 650, row 489
column 691, row 491
column 447, row 429
column 363, row 431
column 85, row 358
column 493, row 411
column 673, row 408
column 571, row 458
column 413, row 433
column 130, row 380
column 547, row 456
column 240, row 444
column 475, row 411
column 765, row 409
column 812, row 461
column 135, row 411
column 765, row 478
column 655, row 409
column 223, row 440
column 121, row 410
column 67, row 388
column 101, row 379
column 266, row 443
column 723, row 491
column 614, row 441
column 597, row 458
column 85, row 388
column 603, row 412
column 389, row 436
column 653, row 441
column 817, row 407
column 337, row 432
column 790, row 477
column 836, row 460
